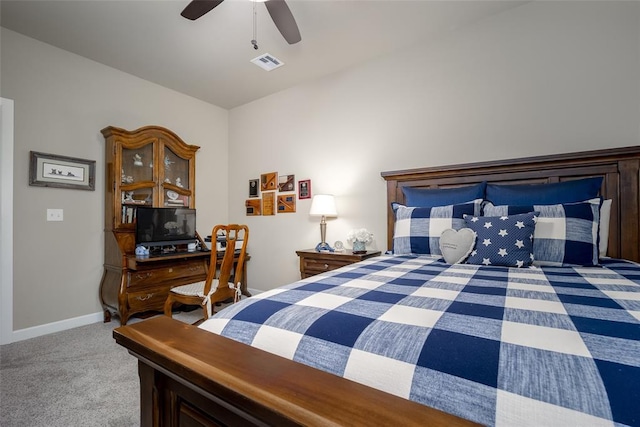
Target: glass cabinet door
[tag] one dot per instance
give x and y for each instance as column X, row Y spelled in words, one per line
column 136, row 181
column 137, row 165
column 176, row 179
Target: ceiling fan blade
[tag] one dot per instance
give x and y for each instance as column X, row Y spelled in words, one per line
column 197, row 8
column 284, row 20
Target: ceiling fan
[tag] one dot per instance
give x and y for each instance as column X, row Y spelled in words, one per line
column 278, row 9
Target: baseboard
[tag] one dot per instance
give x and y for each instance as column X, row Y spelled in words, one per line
column 255, row 291
column 63, row 325
column 50, row 328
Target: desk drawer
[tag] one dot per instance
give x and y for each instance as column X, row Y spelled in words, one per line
column 154, row 276
column 151, row 299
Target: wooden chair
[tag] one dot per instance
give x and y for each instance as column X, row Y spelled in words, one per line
column 223, row 287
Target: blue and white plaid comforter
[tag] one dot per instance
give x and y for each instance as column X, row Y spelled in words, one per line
column 541, row 346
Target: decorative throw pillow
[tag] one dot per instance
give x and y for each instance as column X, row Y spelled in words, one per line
column 417, row 230
column 605, row 219
column 565, row 234
column 544, row 194
column 503, row 240
column 430, row 197
column 456, row 245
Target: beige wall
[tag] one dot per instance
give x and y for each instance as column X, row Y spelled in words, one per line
column 62, row 101
column 545, row 78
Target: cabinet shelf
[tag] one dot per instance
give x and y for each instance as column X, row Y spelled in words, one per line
column 137, row 185
column 179, row 190
column 136, row 204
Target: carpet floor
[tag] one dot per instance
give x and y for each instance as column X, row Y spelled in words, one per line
column 78, row 377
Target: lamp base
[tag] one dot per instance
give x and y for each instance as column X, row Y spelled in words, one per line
column 324, row 247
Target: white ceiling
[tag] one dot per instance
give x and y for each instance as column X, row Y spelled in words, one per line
column 209, row 58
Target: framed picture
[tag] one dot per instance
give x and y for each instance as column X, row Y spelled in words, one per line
column 50, row 170
column 253, row 188
column 286, row 203
column 286, row 183
column 268, row 181
column 268, row 203
column 253, row 207
column 304, row 189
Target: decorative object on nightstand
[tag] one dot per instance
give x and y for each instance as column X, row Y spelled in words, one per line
column 323, row 205
column 313, row 262
column 359, row 239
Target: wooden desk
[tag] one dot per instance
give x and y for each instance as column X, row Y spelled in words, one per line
column 144, row 282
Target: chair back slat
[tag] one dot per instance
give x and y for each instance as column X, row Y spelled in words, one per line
column 233, row 233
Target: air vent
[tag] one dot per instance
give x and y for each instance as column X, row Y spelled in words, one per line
column 267, row 62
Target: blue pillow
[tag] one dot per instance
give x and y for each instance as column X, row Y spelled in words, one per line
column 565, row 234
column 417, row 230
column 544, row 194
column 430, row 197
column 502, row 240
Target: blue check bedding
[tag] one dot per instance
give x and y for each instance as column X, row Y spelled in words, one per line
column 496, row 345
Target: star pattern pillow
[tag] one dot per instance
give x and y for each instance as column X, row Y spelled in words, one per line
column 503, row 240
column 566, row 234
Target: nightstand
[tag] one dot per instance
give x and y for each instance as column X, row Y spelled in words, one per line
column 313, row 262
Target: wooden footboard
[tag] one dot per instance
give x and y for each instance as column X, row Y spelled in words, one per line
column 191, row 377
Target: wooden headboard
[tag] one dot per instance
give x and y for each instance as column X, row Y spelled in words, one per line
column 619, row 167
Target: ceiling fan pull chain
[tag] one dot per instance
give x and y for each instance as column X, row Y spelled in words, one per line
column 254, row 41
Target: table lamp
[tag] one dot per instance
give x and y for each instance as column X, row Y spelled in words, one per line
column 323, row 205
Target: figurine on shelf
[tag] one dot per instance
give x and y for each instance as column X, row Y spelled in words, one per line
column 167, row 162
column 123, row 176
column 137, row 160
column 167, row 180
column 142, row 251
column 129, row 196
column 178, row 182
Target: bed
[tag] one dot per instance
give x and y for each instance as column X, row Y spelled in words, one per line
column 547, row 345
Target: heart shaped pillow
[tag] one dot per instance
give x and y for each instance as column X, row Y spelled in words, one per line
column 457, row 245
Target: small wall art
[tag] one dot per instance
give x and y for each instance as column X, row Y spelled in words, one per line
column 286, row 183
column 286, row 203
column 268, row 203
column 253, row 188
column 268, row 181
column 254, row 207
column 304, row 189
column 50, row 170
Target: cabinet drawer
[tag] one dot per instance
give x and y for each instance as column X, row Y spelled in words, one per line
column 151, row 299
column 315, row 266
column 151, row 277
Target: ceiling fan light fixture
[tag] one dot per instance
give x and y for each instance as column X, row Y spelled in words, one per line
column 267, row 62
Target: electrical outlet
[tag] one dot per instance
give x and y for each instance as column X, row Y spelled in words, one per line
column 54, row 214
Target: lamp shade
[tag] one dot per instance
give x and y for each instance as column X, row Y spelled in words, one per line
column 323, row 205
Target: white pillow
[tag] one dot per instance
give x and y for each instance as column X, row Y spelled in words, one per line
column 605, row 216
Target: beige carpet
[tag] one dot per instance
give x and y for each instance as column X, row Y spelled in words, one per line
column 78, row 377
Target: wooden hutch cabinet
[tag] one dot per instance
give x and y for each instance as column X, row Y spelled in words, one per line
column 150, row 166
